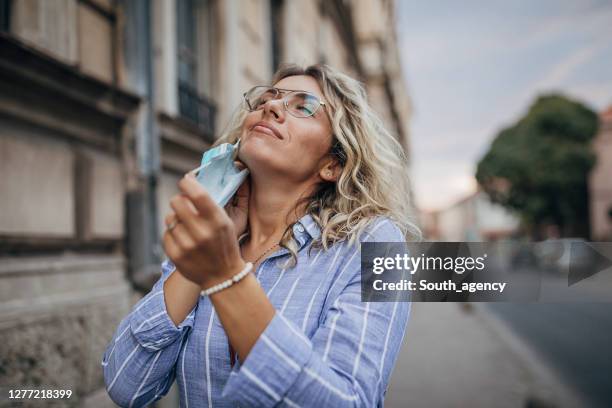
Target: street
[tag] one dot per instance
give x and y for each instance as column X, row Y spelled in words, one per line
column 575, row 339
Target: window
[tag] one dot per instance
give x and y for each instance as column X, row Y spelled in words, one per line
column 5, row 15
column 276, row 15
column 194, row 23
column 187, row 42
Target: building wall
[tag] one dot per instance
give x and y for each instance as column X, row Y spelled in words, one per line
column 77, row 141
column 63, row 118
column 473, row 218
column 600, row 187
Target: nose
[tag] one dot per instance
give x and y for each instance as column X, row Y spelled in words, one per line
column 275, row 108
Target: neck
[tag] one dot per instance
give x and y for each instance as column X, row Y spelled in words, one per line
column 272, row 209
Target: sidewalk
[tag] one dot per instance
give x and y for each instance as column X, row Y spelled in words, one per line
column 459, row 355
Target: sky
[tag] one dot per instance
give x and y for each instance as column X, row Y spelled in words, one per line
column 474, row 67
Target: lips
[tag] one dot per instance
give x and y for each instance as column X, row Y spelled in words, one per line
column 267, row 128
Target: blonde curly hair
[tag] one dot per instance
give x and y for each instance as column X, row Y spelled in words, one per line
column 374, row 178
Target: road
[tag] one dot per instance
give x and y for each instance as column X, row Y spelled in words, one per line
column 574, row 339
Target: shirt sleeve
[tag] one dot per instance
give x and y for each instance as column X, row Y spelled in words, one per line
column 139, row 362
column 348, row 361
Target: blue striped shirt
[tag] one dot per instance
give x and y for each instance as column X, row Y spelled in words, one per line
column 323, row 347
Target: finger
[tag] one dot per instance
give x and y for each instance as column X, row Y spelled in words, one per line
column 245, row 188
column 198, row 195
column 239, row 165
column 241, row 199
column 182, row 238
column 241, row 196
column 170, row 218
column 231, row 203
column 190, row 205
column 186, row 215
column 170, row 247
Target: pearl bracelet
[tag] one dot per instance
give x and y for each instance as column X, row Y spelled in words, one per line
column 229, row 282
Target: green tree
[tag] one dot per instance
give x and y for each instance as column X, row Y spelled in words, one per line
column 538, row 167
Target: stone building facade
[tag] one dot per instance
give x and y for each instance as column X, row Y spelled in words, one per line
column 600, row 188
column 104, row 105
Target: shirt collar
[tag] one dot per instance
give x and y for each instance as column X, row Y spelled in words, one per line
column 309, row 225
column 302, row 229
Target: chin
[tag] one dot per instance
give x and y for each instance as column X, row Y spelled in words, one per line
column 256, row 153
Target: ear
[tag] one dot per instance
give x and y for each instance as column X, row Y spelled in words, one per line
column 331, row 170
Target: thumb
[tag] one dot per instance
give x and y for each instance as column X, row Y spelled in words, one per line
column 245, row 189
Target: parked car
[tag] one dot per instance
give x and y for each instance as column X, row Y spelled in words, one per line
column 558, row 255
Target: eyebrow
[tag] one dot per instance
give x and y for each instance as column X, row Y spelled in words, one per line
column 291, row 90
column 312, row 93
column 299, row 90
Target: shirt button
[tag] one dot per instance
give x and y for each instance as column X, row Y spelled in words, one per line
column 300, row 228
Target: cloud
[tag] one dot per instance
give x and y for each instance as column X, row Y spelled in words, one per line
column 558, row 75
column 558, row 78
column 579, row 19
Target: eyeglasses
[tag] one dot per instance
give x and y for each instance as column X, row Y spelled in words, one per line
column 300, row 104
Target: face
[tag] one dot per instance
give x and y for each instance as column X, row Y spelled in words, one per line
column 296, row 150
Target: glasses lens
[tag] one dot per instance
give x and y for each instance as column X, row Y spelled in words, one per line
column 302, row 104
column 259, row 95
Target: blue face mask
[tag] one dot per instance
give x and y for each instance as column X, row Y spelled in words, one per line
column 218, row 173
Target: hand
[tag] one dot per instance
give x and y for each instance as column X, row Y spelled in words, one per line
column 203, row 244
column 238, row 207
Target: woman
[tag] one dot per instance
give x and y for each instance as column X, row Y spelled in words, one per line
column 324, row 176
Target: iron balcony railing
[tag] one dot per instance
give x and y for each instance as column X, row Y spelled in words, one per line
column 197, row 108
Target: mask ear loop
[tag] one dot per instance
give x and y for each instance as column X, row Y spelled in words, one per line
column 236, row 149
column 196, row 170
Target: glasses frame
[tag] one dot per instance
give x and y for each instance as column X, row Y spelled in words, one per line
column 288, row 92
